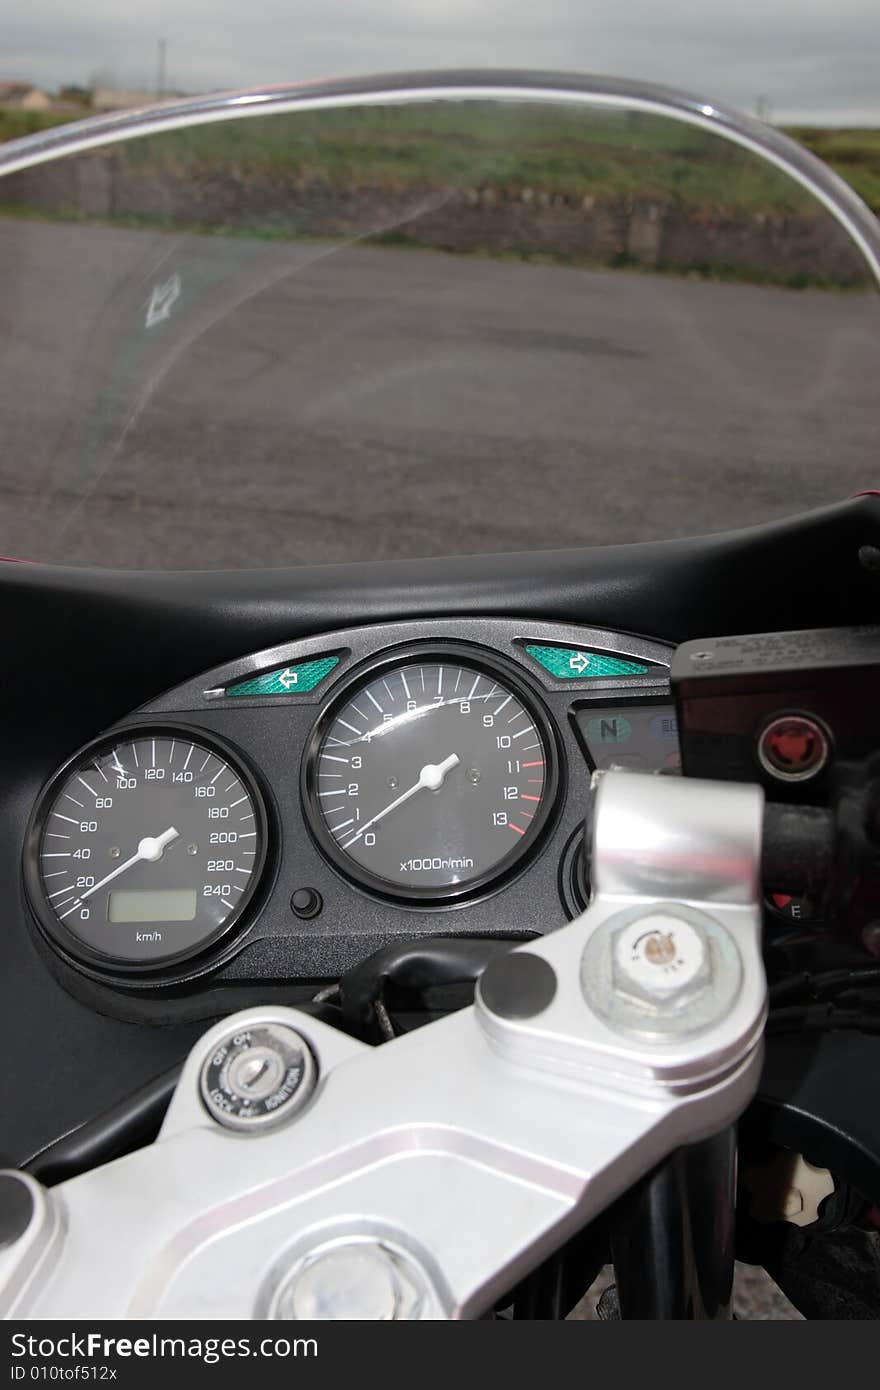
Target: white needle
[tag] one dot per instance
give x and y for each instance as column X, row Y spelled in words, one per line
column 150, row 848
column 431, row 776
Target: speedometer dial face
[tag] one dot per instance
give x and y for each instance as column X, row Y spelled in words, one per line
column 145, row 849
column 430, row 778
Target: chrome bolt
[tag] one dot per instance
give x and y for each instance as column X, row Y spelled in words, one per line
column 665, row 971
column 660, row 961
column 362, row 1280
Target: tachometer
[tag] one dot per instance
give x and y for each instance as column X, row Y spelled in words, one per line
column 145, row 849
column 429, row 778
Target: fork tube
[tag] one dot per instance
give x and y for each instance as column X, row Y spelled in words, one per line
column 673, row 1237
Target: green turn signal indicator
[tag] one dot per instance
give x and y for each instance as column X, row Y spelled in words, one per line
column 297, row 679
column 571, row 664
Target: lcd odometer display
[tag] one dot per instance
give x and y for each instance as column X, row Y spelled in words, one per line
column 153, row 905
column 145, row 849
column 430, row 778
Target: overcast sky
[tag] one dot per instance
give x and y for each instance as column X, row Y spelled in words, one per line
column 809, row 59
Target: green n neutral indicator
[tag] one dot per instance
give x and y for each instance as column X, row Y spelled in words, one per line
column 297, row 679
column 570, row 664
column 609, row 728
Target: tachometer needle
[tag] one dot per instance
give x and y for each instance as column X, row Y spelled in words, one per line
column 432, row 777
column 150, row 849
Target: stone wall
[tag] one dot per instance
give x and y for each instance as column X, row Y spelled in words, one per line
column 795, row 248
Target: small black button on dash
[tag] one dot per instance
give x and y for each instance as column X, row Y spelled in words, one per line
column 306, row 902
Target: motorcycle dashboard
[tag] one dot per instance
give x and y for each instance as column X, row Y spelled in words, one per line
column 284, row 815
column 88, row 1030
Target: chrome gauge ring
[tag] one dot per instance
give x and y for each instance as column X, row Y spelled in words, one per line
column 432, row 775
column 145, row 849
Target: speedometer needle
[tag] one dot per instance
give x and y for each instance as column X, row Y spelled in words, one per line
column 150, row 849
column 432, row 776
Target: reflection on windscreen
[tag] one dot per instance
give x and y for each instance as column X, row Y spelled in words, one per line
column 420, row 330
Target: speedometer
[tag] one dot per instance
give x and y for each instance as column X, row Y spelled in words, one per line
column 145, row 849
column 431, row 777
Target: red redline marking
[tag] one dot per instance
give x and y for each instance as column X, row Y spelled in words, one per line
column 539, row 763
column 535, row 781
column 527, row 796
column 516, row 828
column 527, row 814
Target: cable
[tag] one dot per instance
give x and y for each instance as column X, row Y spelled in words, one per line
column 823, row 983
column 822, row 1018
column 411, row 965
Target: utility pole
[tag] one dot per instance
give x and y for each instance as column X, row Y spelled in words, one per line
column 161, row 80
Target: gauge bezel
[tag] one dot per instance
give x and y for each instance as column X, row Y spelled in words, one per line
column 515, row 679
column 101, row 964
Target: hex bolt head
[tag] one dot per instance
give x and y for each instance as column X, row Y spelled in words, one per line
column 661, row 971
column 660, row 962
column 362, row 1280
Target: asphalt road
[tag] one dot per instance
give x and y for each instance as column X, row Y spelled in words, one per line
column 293, row 404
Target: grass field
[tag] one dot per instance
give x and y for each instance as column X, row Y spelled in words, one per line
column 508, row 148
column 854, row 154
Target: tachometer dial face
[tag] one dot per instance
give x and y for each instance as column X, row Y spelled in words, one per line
column 145, row 849
column 431, row 778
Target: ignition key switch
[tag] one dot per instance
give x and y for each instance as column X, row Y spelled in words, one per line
column 258, row 1077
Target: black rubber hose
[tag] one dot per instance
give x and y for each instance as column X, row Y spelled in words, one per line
column 412, row 965
column 128, row 1125
column 824, row 983
column 822, row 1018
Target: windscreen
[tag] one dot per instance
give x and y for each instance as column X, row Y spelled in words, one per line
column 423, row 328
